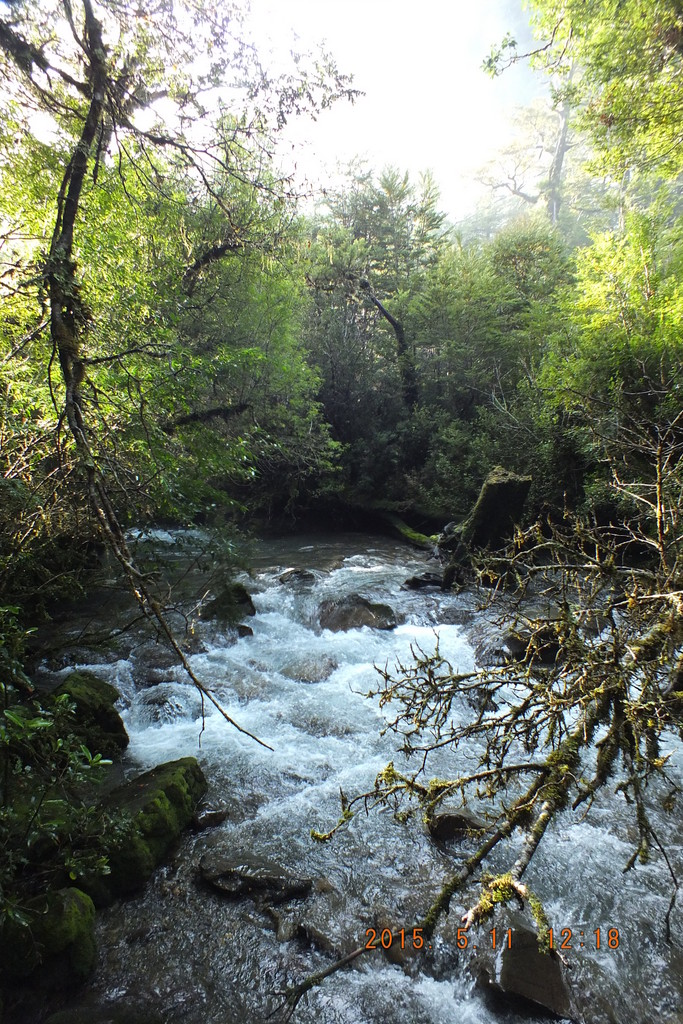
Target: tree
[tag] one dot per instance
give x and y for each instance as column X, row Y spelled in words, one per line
column 370, row 256
column 628, row 77
column 88, row 73
column 531, row 169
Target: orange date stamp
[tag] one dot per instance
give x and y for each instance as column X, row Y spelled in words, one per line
column 562, row 940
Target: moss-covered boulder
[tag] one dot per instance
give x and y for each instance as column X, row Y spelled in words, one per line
column 158, row 805
column 98, row 723
column 457, row 825
column 59, row 940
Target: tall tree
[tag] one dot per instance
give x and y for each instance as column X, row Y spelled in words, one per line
column 95, row 79
column 628, row 61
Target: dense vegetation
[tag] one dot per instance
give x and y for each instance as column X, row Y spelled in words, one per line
column 179, row 341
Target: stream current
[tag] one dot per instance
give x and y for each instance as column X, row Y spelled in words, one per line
column 183, row 954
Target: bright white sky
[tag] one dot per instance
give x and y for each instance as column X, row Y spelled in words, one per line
column 428, row 104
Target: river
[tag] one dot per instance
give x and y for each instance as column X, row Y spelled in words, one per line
column 181, row 953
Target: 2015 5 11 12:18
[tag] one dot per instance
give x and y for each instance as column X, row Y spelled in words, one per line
column 565, row 939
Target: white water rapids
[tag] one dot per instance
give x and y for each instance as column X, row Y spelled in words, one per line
column 184, row 954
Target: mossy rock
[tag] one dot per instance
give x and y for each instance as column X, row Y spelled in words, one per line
column 521, row 971
column 98, row 723
column 160, row 804
column 60, row 941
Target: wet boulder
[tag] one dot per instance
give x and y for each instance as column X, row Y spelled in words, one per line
column 98, row 723
column 297, row 576
column 247, row 874
column 60, row 941
column 157, row 806
column 231, row 603
column 322, row 921
column 169, row 702
column 425, row 581
column 541, row 644
column 522, row 971
column 309, row 668
column 209, row 815
column 454, row 825
column 353, row 612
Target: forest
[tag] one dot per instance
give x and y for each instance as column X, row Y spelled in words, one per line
column 186, row 340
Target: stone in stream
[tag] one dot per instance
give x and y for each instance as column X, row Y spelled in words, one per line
column 159, row 804
column 97, row 722
column 353, row 612
column 231, row 603
column 58, row 950
column 425, row 581
column 521, row 971
column 458, row 825
column 247, row 874
column 209, row 815
column 322, row 921
column 541, row 644
column 309, row 669
column 297, row 576
column 170, row 702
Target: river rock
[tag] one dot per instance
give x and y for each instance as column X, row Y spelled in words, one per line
column 159, row 805
column 297, row 576
column 448, row 825
column 426, row 580
column 170, row 702
column 354, row 612
column 98, row 723
column 209, row 815
column 309, row 668
column 541, row 645
column 322, row 921
column 231, row 603
column 60, row 941
column 247, row 874
column 522, row 971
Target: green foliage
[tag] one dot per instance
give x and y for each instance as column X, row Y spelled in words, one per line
column 622, row 64
column 50, row 833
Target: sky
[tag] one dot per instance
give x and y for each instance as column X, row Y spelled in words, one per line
column 428, row 105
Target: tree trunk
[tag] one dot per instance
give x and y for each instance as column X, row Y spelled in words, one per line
column 406, row 358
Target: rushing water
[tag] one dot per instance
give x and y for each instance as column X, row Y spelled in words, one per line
column 181, row 953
